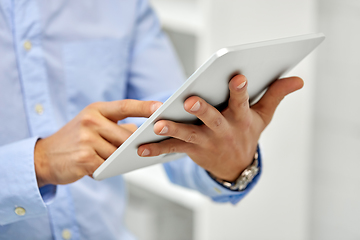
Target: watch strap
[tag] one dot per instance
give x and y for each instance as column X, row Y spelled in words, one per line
column 245, row 177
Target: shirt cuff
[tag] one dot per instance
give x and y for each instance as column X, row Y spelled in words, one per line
column 188, row 174
column 20, row 196
column 48, row 193
column 219, row 193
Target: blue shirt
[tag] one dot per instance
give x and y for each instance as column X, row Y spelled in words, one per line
column 56, row 58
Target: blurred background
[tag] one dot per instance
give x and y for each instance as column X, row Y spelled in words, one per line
column 310, row 187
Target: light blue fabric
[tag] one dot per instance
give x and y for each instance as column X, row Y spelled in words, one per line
column 81, row 52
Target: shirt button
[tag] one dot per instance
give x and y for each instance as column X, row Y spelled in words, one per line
column 39, row 109
column 27, row 45
column 66, row 234
column 20, row 211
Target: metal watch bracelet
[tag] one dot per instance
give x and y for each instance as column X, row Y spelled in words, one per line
column 244, row 179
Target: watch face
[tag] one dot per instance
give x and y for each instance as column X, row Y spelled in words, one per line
column 247, row 176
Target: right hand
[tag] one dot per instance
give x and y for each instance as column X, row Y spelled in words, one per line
column 83, row 144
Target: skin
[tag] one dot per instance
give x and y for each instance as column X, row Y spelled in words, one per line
column 224, row 145
column 83, row 144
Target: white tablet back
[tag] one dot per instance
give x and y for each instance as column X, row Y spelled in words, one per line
column 261, row 63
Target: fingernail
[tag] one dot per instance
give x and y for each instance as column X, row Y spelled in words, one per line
column 241, row 85
column 195, row 107
column 164, row 130
column 155, row 106
column 146, row 152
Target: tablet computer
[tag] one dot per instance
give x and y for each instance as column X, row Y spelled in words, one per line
column 261, row 63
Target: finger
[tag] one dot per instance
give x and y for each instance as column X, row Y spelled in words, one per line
column 95, row 163
column 118, row 110
column 167, row 146
column 114, row 133
column 185, row 132
column 239, row 97
column 103, row 148
column 209, row 115
column 129, row 126
column 274, row 95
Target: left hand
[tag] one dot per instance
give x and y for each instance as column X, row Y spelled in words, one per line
column 226, row 143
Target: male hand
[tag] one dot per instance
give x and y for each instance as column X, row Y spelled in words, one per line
column 226, row 143
column 83, row 144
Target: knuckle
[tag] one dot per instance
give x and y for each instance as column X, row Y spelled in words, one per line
column 123, row 105
column 85, row 137
column 241, row 102
column 84, row 156
column 87, row 119
column 245, row 104
column 172, row 149
column 218, row 121
column 245, row 100
column 192, row 138
column 80, row 173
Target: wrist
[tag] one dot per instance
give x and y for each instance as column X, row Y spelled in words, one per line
column 40, row 163
column 231, row 170
column 244, row 179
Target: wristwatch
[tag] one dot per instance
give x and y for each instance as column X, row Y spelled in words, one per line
column 244, row 179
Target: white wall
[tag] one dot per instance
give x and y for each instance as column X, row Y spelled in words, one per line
column 336, row 153
column 278, row 208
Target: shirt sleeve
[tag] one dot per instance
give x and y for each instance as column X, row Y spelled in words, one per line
column 18, row 184
column 188, row 174
column 154, row 70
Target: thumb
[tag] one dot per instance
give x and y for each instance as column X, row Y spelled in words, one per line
column 273, row 96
